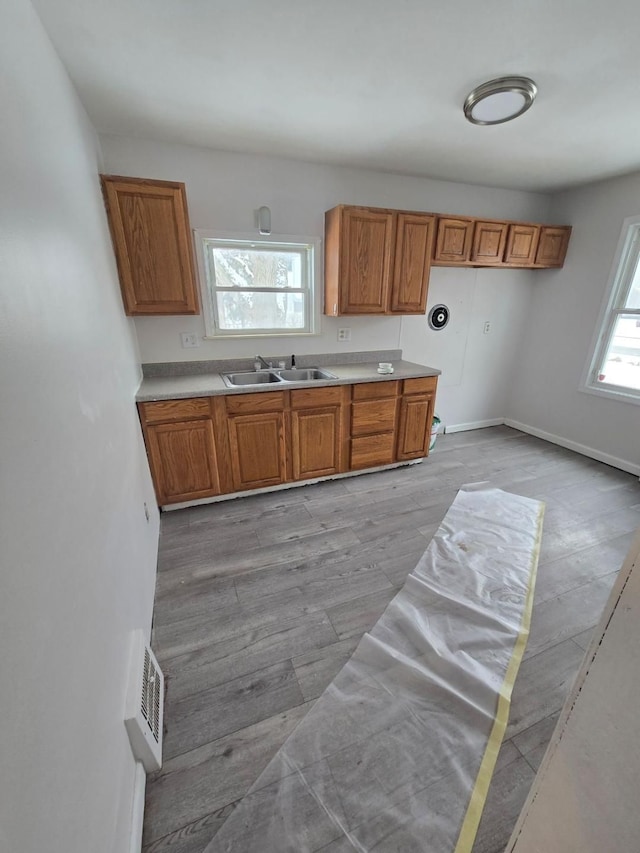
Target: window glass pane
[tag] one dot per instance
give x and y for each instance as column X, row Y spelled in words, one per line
column 621, row 364
column 252, row 267
column 633, row 299
column 251, row 310
column 255, row 286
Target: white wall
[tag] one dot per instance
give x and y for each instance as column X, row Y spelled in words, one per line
column 225, row 189
column 563, row 316
column 477, row 367
column 77, row 557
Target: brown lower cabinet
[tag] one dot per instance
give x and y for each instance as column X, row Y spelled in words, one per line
column 183, row 456
column 374, row 421
column 206, row 446
column 181, row 448
column 416, row 416
column 318, row 431
column 256, row 426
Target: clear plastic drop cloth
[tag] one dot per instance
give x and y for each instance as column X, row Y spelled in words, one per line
column 397, row 754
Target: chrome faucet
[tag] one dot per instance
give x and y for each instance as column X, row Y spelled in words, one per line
column 260, row 360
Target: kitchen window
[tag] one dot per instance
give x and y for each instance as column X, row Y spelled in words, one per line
column 615, row 365
column 258, row 286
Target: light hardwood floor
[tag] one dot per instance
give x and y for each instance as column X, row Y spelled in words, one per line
column 261, row 600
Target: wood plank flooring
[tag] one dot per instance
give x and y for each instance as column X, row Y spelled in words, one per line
column 261, row 600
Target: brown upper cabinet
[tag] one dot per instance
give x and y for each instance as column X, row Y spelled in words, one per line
column 453, row 243
column 552, row 246
column 152, row 242
column 377, row 261
column 466, row 242
column 489, row 240
column 522, row 244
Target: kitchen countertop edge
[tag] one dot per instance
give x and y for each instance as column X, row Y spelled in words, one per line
column 211, row 384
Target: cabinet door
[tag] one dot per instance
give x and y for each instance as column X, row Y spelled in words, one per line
column 414, row 433
column 365, row 262
column 412, row 263
column 453, row 243
column 489, row 240
column 319, row 431
column 522, row 243
column 257, row 450
column 315, row 438
column 552, row 246
column 152, row 242
column 183, row 460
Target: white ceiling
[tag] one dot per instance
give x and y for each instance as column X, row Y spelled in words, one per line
column 372, row 83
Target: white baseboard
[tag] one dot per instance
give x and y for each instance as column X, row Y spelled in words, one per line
column 607, row 458
column 474, row 425
column 137, row 809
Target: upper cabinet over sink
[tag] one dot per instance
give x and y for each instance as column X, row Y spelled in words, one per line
column 377, row 261
column 152, row 242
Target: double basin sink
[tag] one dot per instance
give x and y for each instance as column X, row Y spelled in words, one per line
column 266, row 377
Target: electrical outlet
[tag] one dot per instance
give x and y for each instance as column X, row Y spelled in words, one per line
column 344, row 334
column 189, row 339
column 487, row 327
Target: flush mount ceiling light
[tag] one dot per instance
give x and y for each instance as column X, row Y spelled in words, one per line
column 500, row 100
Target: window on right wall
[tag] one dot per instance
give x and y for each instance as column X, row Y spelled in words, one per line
column 615, row 364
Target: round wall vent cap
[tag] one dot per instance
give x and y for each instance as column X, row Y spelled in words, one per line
column 438, row 317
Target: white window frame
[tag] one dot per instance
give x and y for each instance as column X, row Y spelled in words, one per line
column 209, row 305
column 626, row 258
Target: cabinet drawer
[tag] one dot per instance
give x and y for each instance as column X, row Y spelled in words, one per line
column 175, row 410
column 246, row 404
column 371, row 450
column 375, row 390
column 314, row 397
column 424, row 383
column 371, row 416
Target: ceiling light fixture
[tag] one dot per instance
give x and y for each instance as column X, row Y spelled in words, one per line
column 500, row 100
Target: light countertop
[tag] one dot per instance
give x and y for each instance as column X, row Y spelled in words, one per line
column 211, row 384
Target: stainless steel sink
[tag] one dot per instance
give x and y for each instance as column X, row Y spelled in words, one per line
column 305, row 374
column 267, row 377
column 253, row 377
